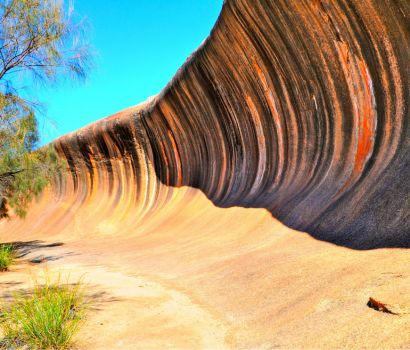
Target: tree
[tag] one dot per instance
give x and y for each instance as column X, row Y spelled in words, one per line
column 39, row 40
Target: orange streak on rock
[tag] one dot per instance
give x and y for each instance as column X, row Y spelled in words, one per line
column 367, row 122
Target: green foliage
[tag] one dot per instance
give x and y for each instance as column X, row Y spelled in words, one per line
column 41, row 37
column 24, row 171
column 6, row 256
column 46, row 318
column 38, row 39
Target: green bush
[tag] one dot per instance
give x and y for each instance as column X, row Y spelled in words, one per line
column 6, row 256
column 46, row 318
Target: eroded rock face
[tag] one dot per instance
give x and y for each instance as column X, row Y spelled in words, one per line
column 299, row 107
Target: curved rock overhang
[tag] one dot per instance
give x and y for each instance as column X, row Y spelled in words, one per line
column 298, row 106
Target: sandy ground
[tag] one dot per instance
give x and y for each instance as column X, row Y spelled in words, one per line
column 212, row 278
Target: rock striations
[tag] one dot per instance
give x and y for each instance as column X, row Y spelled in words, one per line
column 299, row 107
column 292, row 114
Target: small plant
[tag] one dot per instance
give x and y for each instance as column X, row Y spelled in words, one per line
column 6, row 256
column 46, row 318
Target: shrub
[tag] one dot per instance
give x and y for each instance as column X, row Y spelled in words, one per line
column 6, row 256
column 46, row 318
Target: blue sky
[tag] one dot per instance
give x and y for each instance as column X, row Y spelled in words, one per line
column 140, row 44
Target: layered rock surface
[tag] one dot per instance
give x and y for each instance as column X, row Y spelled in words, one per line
column 299, row 107
column 291, row 114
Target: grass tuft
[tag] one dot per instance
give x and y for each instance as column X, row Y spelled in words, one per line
column 46, row 318
column 6, row 256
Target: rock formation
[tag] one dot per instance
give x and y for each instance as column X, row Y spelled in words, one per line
column 299, row 107
column 292, row 114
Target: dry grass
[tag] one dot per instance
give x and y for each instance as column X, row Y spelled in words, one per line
column 46, row 318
